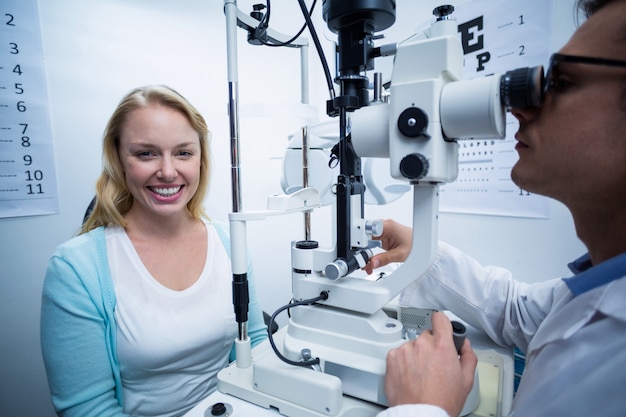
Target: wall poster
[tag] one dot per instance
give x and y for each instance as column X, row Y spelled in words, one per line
column 27, row 172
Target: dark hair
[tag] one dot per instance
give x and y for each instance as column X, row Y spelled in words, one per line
column 589, row 7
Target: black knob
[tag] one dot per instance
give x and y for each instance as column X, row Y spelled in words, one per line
column 307, row 244
column 218, row 409
column 257, row 11
column 413, row 122
column 458, row 334
column 414, row 166
column 443, row 11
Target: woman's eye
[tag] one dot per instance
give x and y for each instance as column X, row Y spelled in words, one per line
column 143, row 154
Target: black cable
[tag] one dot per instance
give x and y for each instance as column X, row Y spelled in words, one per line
column 261, row 30
column 310, row 301
column 318, row 47
column 260, row 34
column 290, row 41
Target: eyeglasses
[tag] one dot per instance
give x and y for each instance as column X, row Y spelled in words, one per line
column 525, row 88
column 556, row 58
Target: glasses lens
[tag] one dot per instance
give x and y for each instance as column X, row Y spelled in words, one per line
column 549, row 78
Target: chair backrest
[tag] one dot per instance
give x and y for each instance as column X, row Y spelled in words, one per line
column 89, row 209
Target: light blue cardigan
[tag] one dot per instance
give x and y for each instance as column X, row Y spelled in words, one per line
column 78, row 328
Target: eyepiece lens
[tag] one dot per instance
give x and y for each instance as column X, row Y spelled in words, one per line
column 522, row 88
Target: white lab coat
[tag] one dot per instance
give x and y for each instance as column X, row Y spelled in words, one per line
column 575, row 346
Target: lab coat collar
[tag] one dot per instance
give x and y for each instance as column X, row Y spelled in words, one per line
column 571, row 316
column 588, row 277
column 581, row 264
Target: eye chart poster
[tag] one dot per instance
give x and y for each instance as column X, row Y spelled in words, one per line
column 497, row 36
column 27, row 172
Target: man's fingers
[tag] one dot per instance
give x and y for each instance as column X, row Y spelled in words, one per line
column 441, row 324
column 376, row 261
column 469, row 361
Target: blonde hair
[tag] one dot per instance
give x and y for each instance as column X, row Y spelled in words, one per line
column 113, row 199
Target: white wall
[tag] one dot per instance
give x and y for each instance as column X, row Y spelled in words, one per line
column 96, row 51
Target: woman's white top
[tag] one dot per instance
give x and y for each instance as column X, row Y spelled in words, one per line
column 170, row 344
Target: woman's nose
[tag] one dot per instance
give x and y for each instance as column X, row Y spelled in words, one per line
column 167, row 170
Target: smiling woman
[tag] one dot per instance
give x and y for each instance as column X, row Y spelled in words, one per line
column 146, row 105
column 126, row 304
column 160, row 153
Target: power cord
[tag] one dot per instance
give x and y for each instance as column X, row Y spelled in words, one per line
column 308, row 363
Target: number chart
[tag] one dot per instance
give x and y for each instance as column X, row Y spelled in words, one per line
column 27, row 171
column 497, row 36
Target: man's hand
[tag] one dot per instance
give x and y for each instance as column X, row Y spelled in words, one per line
column 397, row 241
column 428, row 370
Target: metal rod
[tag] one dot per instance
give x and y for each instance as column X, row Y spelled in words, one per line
column 378, row 87
column 230, row 10
column 305, row 178
column 235, row 165
column 238, row 259
column 304, row 73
